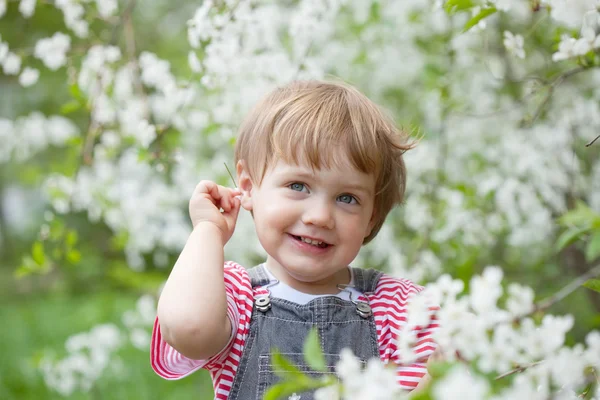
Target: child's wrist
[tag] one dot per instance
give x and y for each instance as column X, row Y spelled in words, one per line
column 210, row 229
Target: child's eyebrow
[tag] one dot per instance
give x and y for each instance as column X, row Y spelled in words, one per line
column 356, row 187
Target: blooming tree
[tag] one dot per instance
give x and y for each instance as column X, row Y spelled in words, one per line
column 505, row 94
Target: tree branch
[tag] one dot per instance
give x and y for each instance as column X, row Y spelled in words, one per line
column 124, row 17
column 592, row 142
column 567, row 290
column 518, row 369
column 553, row 85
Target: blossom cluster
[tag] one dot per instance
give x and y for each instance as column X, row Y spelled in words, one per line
column 241, row 50
column 28, row 135
column 481, row 336
column 91, row 354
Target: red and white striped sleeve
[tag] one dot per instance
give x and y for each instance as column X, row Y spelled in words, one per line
column 170, row 364
column 389, row 308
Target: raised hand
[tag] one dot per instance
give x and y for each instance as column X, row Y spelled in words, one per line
column 212, row 203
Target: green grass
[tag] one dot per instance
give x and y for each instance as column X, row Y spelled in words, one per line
column 44, row 323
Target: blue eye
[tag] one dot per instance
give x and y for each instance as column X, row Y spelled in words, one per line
column 298, row 187
column 348, row 199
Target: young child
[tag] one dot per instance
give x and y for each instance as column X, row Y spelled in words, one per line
column 319, row 166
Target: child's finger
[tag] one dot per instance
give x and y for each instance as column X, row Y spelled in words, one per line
column 227, row 196
column 231, row 216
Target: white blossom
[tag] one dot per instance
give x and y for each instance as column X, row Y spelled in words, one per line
column 145, row 133
column 349, row 367
column 3, row 51
column 11, row 64
column 520, row 301
column 110, row 139
column 60, row 129
column 194, row 62
column 570, row 12
column 52, row 51
column 485, row 290
column 73, row 15
column 140, row 338
column 2, row 7
column 514, row 44
column 104, row 111
column 155, row 72
column 29, row 76
column 328, row 393
column 505, row 5
column 27, row 7
column 459, row 383
column 106, row 8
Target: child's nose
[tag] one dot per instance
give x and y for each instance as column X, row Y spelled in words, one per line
column 319, row 213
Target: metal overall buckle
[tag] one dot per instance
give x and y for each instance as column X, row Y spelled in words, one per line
column 362, row 308
column 263, row 301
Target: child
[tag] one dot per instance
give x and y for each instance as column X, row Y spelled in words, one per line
column 319, row 166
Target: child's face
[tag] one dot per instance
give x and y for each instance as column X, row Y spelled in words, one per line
column 333, row 206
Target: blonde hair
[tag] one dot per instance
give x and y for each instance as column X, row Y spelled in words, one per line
column 326, row 123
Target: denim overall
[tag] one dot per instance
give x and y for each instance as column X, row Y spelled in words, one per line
column 284, row 325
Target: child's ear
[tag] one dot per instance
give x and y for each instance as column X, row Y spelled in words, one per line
column 245, row 185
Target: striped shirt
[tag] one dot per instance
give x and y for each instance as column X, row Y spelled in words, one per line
column 388, row 303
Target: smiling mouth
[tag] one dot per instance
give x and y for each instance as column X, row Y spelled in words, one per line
column 315, row 243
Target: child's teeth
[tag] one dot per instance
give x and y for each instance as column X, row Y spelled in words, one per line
column 310, row 241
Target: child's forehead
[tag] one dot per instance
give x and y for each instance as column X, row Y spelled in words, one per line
column 317, row 160
column 301, row 163
column 335, row 173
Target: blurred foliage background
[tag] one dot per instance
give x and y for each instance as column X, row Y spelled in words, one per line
column 93, row 284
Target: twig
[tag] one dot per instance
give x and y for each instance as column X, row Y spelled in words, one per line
column 90, row 140
column 230, row 174
column 553, row 85
column 592, row 142
column 130, row 46
column 547, row 303
column 126, row 15
column 567, row 290
column 518, row 369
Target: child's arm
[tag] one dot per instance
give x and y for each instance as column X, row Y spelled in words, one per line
column 424, row 382
column 192, row 308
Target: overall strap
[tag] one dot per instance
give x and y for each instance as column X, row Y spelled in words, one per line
column 258, row 276
column 365, row 280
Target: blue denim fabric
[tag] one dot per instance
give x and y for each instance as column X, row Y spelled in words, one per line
column 285, row 326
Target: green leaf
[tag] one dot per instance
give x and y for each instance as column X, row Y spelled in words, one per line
column 71, row 238
column 70, row 107
column 422, row 394
column 454, row 6
column 37, row 253
column 143, row 155
column 486, row 12
column 593, row 284
column 283, row 367
column 27, row 268
column 22, row 272
column 569, row 236
column 75, row 91
column 580, row 215
column 592, row 250
column 439, row 369
column 73, row 256
column 313, row 353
